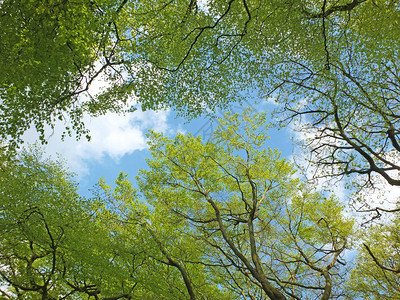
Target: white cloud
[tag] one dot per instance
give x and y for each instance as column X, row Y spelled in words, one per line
column 305, row 134
column 112, row 136
column 204, row 5
column 382, row 194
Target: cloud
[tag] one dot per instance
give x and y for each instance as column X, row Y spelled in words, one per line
column 204, row 5
column 381, row 194
column 305, row 137
column 112, row 136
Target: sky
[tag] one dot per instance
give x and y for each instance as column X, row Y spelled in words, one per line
column 118, row 142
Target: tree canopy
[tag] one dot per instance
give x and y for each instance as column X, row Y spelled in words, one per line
column 52, row 244
column 224, row 219
column 51, row 52
column 243, row 201
column 332, row 65
column 227, row 218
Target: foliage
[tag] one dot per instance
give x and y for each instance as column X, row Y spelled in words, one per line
column 51, row 246
column 51, row 52
column 164, row 267
column 223, row 219
column 57, row 245
column 376, row 274
column 264, row 227
column 33, row 230
column 331, row 64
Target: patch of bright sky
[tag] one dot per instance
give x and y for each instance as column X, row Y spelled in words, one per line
column 203, row 5
column 304, row 132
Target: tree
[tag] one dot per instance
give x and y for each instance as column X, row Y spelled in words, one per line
column 263, row 225
column 33, row 230
column 376, row 273
column 166, row 264
column 51, row 52
column 52, row 247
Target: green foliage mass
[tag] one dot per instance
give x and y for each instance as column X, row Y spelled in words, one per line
column 376, row 275
column 224, row 219
column 244, row 201
column 49, row 51
column 336, row 55
column 52, row 244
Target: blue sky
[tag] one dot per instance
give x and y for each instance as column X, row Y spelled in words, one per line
column 118, row 142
